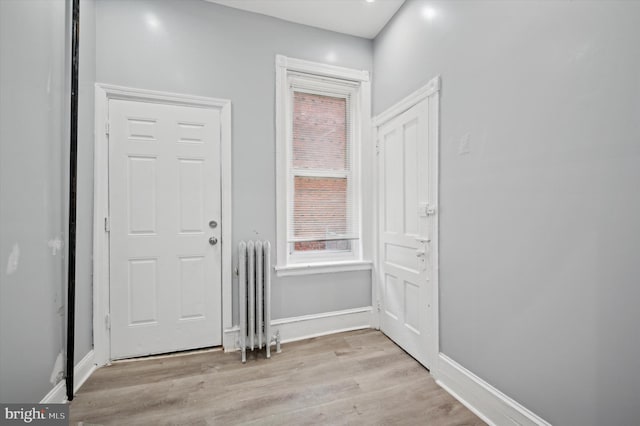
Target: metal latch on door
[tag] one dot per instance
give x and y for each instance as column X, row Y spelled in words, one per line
column 425, row 209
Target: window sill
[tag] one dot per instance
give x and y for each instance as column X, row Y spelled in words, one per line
column 322, row 268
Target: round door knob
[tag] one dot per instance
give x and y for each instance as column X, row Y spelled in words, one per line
column 213, row 241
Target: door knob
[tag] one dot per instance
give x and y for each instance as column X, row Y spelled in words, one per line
column 213, row 241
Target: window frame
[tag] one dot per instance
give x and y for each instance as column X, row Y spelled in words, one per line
column 327, row 80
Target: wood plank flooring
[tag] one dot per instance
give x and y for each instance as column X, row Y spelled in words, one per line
column 358, row 377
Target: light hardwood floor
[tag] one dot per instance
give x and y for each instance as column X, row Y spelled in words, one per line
column 358, row 377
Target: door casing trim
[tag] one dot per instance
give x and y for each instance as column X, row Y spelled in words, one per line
column 104, row 93
column 430, row 92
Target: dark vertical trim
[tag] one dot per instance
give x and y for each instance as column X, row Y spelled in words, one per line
column 73, row 192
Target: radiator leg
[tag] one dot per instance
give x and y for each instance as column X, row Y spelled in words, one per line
column 278, row 350
column 269, row 341
column 244, row 355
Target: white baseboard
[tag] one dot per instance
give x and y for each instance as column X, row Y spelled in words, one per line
column 308, row 326
column 488, row 403
column 81, row 372
column 230, row 339
column 57, row 395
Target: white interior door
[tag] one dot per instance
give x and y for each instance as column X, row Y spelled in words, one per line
column 164, row 189
column 405, row 231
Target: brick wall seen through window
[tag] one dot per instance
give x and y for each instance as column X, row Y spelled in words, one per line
column 320, row 143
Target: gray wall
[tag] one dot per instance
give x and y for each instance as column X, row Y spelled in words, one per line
column 539, row 220
column 209, row 50
column 33, row 105
column 34, row 140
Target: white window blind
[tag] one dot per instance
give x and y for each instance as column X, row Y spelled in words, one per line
column 321, row 213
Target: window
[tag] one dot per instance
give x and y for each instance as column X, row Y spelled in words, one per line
column 319, row 127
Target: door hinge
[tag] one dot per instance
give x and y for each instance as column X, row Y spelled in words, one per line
column 107, row 321
column 379, row 307
column 107, row 225
column 106, row 127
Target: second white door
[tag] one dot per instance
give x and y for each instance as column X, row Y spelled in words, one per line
column 405, row 232
column 165, row 253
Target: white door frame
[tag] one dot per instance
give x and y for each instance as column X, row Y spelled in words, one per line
column 430, row 91
column 103, row 93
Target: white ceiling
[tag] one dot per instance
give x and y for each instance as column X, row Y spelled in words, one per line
column 356, row 17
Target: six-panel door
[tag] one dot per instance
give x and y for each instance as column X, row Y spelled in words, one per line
column 164, row 189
